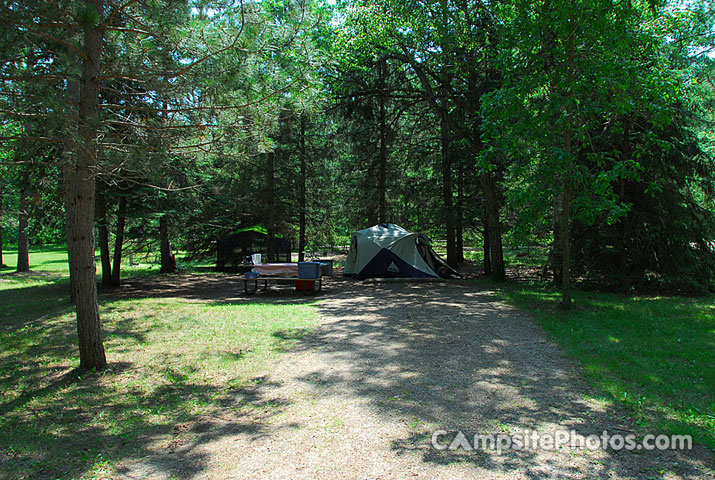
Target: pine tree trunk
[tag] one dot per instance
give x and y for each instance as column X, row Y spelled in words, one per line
column 447, row 189
column 119, row 241
column 167, row 259
column 491, row 212
column 459, row 228
column 556, row 253
column 103, row 240
column 382, row 175
column 80, row 245
column 486, row 249
column 70, row 154
column 69, row 214
column 271, row 207
column 301, row 233
column 80, row 197
column 566, row 247
column 567, row 193
column 1, row 215
column 23, row 243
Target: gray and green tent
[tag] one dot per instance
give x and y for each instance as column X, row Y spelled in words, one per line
column 388, row 250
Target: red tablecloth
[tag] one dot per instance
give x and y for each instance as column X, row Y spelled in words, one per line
column 277, row 269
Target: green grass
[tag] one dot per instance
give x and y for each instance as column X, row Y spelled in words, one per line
column 651, row 355
column 515, row 257
column 52, row 259
column 46, row 259
column 172, row 362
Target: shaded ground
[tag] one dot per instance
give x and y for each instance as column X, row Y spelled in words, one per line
column 221, row 289
column 390, row 364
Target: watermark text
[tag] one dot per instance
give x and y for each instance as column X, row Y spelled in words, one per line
column 559, row 439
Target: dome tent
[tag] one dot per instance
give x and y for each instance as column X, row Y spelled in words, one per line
column 388, row 250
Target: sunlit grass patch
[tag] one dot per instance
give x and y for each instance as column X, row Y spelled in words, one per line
column 171, row 362
column 51, row 258
column 653, row 355
column 50, row 261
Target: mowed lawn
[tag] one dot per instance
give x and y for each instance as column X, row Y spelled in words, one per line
column 171, row 361
column 46, row 259
column 653, row 355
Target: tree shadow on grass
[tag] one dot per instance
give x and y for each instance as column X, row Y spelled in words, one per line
column 454, row 358
column 150, row 419
column 292, row 334
column 155, row 434
column 24, row 303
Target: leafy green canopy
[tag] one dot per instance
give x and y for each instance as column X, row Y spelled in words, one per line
column 596, row 71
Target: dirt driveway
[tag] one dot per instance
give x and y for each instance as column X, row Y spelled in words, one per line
column 390, row 364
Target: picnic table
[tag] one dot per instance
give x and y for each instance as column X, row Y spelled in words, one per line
column 280, row 273
column 304, row 285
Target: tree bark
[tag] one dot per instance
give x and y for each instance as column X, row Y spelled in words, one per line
column 103, row 240
column 168, row 264
column 2, row 264
column 486, row 248
column 301, row 228
column 70, row 154
column 80, row 245
column 119, row 241
column 382, row 173
column 491, row 211
column 271, row 227
column 459, row 227
column 566, row 246
column 23, row 243
column 567, row 193
column 69, row 214
column 80, row 193
column 447, row 203
column 556, row 254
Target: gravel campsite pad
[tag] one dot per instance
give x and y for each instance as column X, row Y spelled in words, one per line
column 391, row 363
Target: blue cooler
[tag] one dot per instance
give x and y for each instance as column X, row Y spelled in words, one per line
column 326, row 267
column 308, row 269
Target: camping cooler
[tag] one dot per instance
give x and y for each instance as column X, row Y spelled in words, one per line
column 326, row 267
column 310, row 270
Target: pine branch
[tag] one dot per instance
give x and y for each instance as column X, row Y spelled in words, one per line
column 217, row 52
